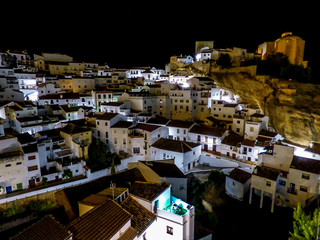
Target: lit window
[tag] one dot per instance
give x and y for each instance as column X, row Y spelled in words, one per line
column 303, row 189
column 305, row 176
column 170, row 230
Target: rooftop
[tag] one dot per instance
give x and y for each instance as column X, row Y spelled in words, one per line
column 148, row 191
column 74, row 129
column 267, row 172
column 175, row 145
column 105, row 116
column 141, row 217
column 306, row 164
column 164, row 169
column 240, row 175
column 45, row 229
column 146, row 127
column 211, row 131
column 180, row 124
column 102, row 222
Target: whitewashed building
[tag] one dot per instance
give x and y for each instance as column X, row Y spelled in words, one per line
column 185, row 154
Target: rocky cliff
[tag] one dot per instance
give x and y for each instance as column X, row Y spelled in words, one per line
column 293, row 108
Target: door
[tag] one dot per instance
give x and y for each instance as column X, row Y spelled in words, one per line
column 205, row 147
column 32, row 183
column 214, row 148
column 9, row 189
column 19, row 186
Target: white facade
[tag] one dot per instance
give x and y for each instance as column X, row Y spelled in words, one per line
column 183, row 159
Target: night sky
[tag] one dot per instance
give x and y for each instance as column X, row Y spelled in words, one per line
column 147, row 34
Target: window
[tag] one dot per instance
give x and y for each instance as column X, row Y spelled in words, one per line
column 136, row 150
column 268, row 183
column 178, row 130
column 170, row 230
column 32, row 157
column 18, row 163
column 305, row 176
column 303, row 189
column 106, row 123
column 8, row 165
column 251, row 129
column 33, row 168
column 282, row 183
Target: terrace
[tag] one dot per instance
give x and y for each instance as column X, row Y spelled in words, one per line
column 178, row 207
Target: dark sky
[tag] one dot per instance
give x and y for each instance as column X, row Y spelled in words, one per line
column 134, row 34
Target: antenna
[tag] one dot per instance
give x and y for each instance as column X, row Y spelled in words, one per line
column 112, row 186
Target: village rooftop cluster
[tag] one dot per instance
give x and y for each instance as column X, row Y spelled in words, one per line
column 164, row 122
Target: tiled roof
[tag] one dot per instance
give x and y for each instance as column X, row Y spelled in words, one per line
column 267, row 172
column 148, row 191
column 210, row 131
column 175, row 145
column 102, row 222
column 105, row 116
column 179, row 124
column 146, row 127
column 164, row 169
column 46, row 229
column 248, row 142
column 74, row 129
column 141, row 217
column 306, row 164
column 30, row 148
column 240, row 175
column 94, row 200
column 267, row 133
column 232, row 139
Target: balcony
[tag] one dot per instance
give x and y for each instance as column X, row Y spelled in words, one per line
column 177, row 207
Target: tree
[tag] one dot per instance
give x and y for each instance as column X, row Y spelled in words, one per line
column 305, row 226
column 224, row 61
column 44, row 181
column 67, row 174
column 99, row 155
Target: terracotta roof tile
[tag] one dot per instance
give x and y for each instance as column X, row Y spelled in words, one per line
column 148, row 191
column 174, row 145
column 141, row 217
column 102, row 222
column 46, row 229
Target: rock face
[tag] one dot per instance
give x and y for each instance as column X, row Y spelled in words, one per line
column 293, row 108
